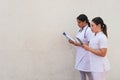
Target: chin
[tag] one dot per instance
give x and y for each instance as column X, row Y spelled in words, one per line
column 92, row 31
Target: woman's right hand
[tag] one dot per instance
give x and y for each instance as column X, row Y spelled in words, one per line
column 74, row 43
column 70, row 41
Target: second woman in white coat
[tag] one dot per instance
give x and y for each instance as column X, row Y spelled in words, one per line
column 98, row 49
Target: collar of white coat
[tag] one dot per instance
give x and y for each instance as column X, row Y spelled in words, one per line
column 98, row 33
column 84, row 28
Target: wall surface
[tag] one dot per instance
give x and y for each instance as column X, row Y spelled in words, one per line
column 31, row 43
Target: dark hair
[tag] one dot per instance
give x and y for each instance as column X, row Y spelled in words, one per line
column 97, row 21
column 83, row 17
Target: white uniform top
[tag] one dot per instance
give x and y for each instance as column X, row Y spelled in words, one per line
column 82, row 56
column 98, row 63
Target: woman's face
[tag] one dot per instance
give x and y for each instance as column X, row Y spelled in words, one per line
column 81, row 24
column 94, row 27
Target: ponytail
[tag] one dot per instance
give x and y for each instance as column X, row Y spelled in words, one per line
column 104, row 29
column 88, row 23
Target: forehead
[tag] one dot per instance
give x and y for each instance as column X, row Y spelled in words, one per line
column 79, row 21
column 92, row 23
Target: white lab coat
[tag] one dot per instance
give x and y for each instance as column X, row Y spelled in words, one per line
column 98, row 63
column 82, row 56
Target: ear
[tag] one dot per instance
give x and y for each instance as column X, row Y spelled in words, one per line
column 99, row 25
column 84, row 22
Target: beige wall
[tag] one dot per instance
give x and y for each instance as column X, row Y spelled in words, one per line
column 31, row 43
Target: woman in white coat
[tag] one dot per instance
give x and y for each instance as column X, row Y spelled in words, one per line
column 98, row 49
column 82, row 56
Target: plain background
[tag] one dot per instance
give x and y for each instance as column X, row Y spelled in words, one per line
column 32, row 46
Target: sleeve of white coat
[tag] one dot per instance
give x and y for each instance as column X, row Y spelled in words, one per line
column 103, row 42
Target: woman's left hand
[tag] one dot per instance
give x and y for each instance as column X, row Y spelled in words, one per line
column 86, row 47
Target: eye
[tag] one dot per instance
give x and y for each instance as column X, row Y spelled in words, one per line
column 92, row 25
column 79, row 22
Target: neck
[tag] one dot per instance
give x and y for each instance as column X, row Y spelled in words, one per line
column 97, row 32
column 84, row 25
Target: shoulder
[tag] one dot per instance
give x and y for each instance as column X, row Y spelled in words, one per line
column 103, row 41
column 103, row 36
column 89, row 32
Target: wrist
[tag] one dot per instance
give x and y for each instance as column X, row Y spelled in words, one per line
column 90, row 49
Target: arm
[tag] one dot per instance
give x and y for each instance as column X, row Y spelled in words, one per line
column 101, row 52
